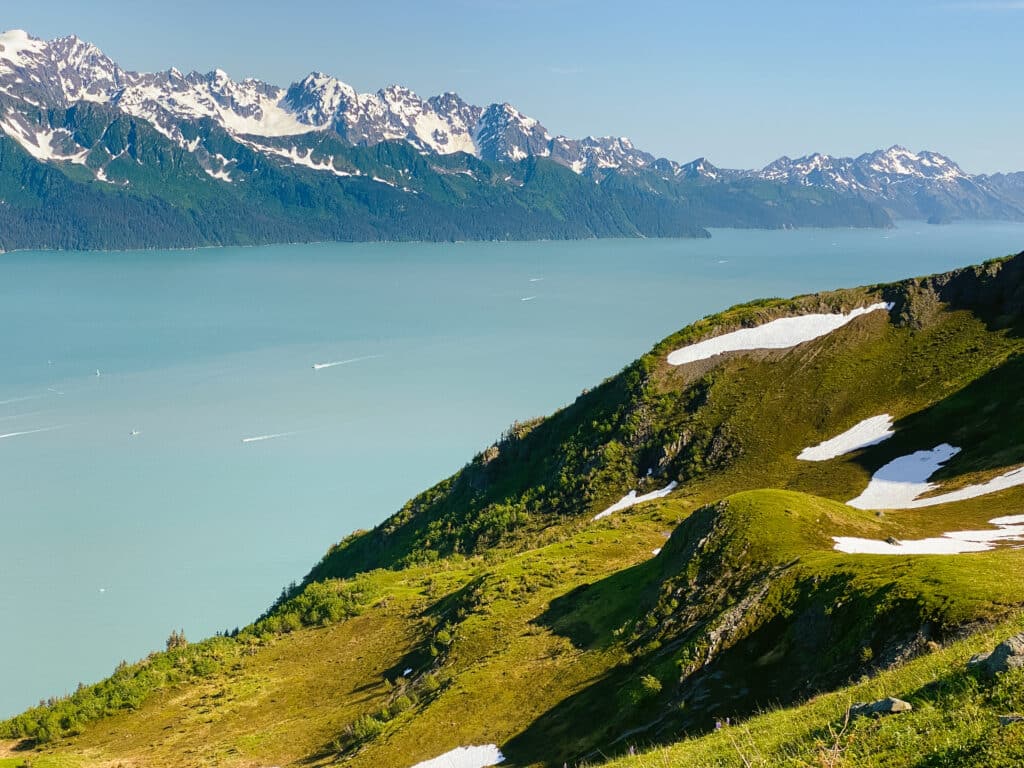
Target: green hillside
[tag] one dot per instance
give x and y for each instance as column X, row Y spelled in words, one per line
column 494, row 609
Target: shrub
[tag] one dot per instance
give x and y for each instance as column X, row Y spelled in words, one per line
column 650, row 685
column 400, row 704
column 366, row 728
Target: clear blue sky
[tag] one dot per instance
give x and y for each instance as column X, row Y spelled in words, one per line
column 739, row 82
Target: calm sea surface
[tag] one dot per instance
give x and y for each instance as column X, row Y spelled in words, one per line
column 109, row 539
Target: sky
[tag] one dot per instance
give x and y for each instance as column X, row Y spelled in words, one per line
column 740, row 83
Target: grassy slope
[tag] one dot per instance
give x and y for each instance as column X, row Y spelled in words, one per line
column 750, row 606
column 539, row 635
column 954, row 722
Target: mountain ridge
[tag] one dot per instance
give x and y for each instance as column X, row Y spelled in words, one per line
column 321, row 101
column 319, row 161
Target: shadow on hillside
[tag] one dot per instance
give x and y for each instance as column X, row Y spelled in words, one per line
column 589, row 615
column 994, row 293
column 827, row 629
column 983, row 419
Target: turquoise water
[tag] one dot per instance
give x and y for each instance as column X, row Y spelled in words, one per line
column 111, row 540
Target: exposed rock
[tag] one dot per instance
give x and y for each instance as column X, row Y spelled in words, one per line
column 1005, row 720
column 1008, row 655
column 887, row 706
column 490, row 454
column 994, row 291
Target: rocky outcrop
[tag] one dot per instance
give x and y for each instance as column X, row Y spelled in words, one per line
column 1008, row 655
column 994, row 290
column 886, row 706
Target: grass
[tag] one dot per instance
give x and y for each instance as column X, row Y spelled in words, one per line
column 295, row 694
column 747, row 605
column 42, row 761
column 954, row 722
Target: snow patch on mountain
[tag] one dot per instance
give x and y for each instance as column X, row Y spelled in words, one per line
column 300, row 158
column 44, row 143
column 14, row 44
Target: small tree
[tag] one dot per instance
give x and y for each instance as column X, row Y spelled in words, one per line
column 176, row 640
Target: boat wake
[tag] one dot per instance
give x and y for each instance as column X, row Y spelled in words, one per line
column 31, row 431
column 321, row 366
column 261, row 438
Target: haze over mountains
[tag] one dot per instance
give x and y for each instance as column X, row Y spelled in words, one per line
column 321, row 161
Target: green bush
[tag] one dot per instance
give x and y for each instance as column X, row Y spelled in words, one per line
column 125, row 690
column 366, row 728
column 650, row 685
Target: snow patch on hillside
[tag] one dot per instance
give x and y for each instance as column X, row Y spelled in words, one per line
column 901, row 482
column 953, row 543
column 868, row 432
column 466, row 757
column 777, row 334
column 631, row 500
column 933, row 546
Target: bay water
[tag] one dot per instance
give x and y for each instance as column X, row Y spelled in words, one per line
column 182, row 433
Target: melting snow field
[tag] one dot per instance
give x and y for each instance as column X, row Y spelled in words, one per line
column 900, row 483
column 868, row 432
column 1009, row 529
column 466, row 757
column 631, row 499
column 778, row 334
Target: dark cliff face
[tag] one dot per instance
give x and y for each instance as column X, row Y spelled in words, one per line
column 992, row 288
column 994, row 291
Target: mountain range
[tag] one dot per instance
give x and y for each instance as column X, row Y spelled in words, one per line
column 776, row 539
column 93, row 155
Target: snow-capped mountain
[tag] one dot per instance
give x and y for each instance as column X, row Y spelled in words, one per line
column 910, row 184
column 62, row 72
column 71, row 107
column 876, row 172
